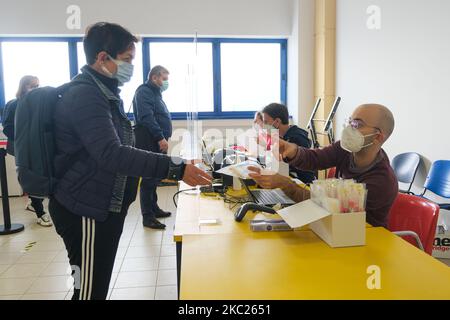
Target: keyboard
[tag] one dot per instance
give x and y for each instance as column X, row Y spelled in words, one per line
column 271, row 197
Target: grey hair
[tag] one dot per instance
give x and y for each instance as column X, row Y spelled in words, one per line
column 157, row 71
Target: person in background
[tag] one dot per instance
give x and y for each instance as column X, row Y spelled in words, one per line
column 276, row 116
column 258, row 120
column 26, row 84
column 153, row 131
column 96, row 165
column 262, row 138
column 358, row 155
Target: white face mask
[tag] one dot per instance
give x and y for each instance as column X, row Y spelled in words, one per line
column 256, row 127
column 270, row 127
column 352, row 140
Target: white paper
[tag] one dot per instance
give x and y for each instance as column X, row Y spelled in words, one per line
column 239, row 170
column 283, row 168
column 208, row 221
column 302, row 213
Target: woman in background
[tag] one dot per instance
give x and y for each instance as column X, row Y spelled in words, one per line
column 258, row 119
column 27, row 83
column 263, row 139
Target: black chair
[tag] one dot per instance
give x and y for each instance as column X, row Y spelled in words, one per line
column 405, row 166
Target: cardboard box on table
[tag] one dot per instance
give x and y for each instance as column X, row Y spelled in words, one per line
column 337, row 230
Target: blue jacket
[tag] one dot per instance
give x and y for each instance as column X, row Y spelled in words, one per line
column 93, row 158
column 151, row 112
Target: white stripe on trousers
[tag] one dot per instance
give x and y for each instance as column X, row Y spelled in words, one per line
column 91, row 274
column 87, row 257
column 83, row 240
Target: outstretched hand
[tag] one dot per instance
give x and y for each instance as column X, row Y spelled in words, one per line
column 268, row 180
column 194, row 176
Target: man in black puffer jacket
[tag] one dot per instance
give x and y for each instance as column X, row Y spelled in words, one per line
column 96, row 164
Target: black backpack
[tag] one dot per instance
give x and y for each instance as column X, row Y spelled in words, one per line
column 34, row 141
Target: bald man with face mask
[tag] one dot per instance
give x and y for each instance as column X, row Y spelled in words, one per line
column 358, row 155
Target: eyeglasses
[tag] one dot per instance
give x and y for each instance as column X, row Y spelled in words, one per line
column 358, row 123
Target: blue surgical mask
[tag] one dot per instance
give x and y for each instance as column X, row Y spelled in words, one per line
column 124, row 71
column 165, row 85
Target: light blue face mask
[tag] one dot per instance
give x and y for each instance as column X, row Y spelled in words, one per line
column 124, row 71
column 165, row 85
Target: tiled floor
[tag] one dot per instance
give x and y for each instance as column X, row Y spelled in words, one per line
column 145, row 266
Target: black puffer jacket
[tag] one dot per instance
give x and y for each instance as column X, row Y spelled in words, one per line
column 92, row 157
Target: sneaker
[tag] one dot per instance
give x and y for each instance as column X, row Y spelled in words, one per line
column 162, row 214
column 45, row 220
column 153, row 223
column 29, row 207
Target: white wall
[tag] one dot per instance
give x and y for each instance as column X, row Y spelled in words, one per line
column 151, row 17
column 405, row 65
column 300, row 96
column 292, row 19
column 231, row 18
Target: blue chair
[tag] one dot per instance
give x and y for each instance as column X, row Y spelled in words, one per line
column 438, row 181
column 405, row 166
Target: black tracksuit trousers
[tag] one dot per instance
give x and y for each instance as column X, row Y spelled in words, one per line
column 91, row 246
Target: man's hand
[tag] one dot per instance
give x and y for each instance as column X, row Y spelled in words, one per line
column 163, row 145
column 268, row 181
column 287, row 150
column 194, row 176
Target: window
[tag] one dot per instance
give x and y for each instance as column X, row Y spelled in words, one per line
column 80, row 55
column 49, row 61
column 128, row 90
column 178, row 58
column 250, row 75
column 232, row 78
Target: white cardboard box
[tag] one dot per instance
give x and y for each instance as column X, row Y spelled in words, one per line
column 342, row 229
column 337, row 230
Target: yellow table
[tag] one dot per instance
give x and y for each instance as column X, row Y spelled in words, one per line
column 298, row 265
column 192, row 208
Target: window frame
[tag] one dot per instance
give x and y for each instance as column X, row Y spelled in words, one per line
column 146, row 56
column 71, row 47
column 217, row 86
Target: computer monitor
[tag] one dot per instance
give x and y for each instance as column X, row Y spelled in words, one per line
column 312, row 127
column 333, row 110
column 207, row 156
column 313, row 113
